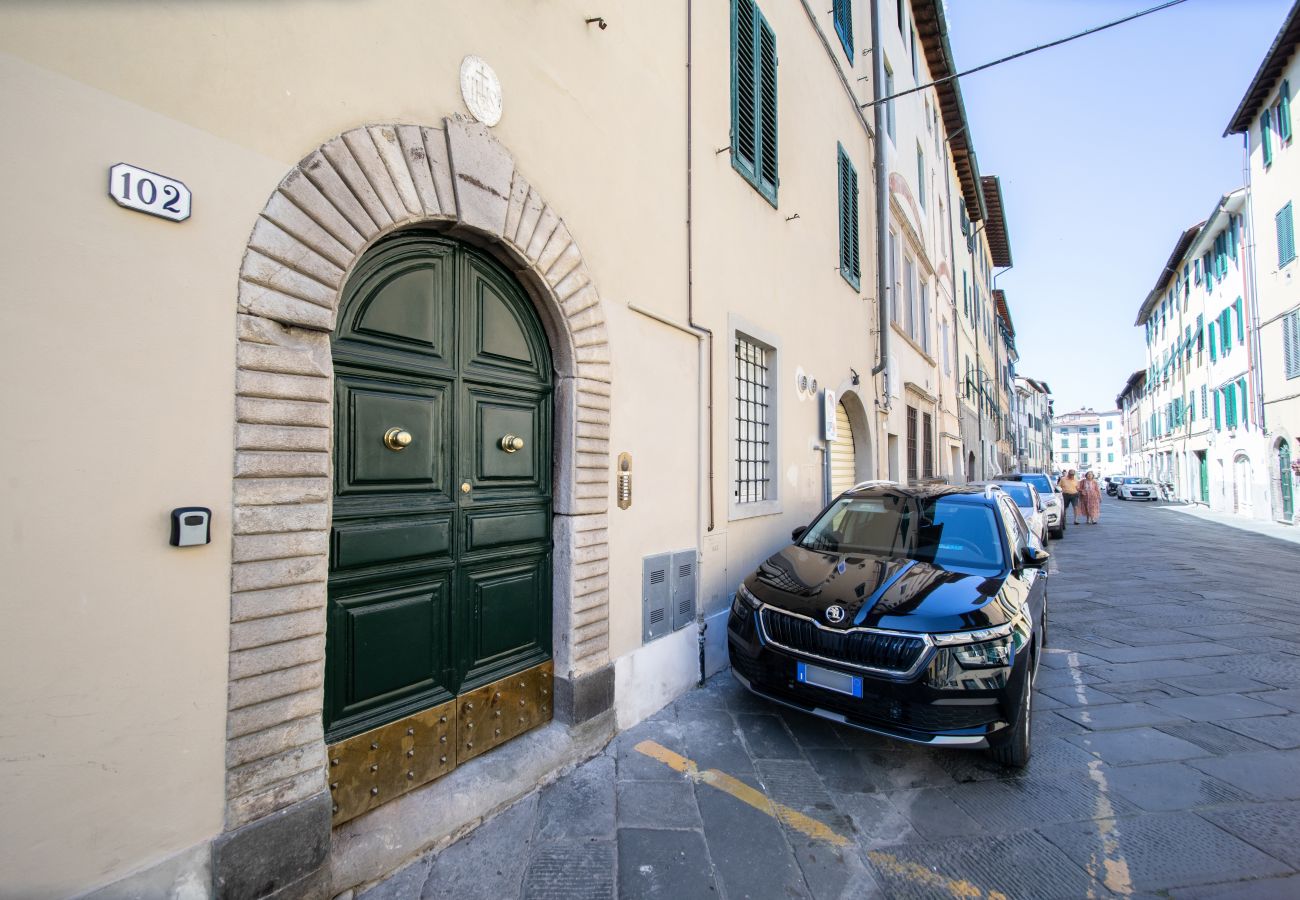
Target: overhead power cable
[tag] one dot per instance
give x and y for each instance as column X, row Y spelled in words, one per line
column 998, row 62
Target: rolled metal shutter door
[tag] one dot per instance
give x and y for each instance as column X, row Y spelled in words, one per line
column 843, row 465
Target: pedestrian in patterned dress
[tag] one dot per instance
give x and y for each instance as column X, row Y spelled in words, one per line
column 1090, row 498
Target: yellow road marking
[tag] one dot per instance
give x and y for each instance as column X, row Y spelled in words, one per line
column 914, row 872
column 919, row 874
column 744, row 793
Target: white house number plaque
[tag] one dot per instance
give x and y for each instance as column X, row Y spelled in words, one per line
column 149, row 192
column 481, row 90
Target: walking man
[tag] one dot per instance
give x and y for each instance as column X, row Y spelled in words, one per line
column 1069, row 486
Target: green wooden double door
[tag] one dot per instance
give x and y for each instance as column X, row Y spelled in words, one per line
column 440, row 556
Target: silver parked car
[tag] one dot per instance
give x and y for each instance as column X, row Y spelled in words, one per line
column 1053, row 503
column 1028, row 501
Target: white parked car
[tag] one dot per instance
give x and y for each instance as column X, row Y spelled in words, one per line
column 1136, row 487
column 1028, row 502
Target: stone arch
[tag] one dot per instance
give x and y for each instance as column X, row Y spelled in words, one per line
column 355, row 189
column 860, row 422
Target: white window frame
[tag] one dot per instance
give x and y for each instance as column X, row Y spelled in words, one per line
column 773, row 505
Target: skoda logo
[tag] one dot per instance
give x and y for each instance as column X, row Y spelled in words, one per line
column 834, row 614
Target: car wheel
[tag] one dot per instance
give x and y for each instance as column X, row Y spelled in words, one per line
column 1013, row 750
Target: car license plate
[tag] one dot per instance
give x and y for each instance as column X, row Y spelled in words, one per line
column 1141, row 494
column 830, row 680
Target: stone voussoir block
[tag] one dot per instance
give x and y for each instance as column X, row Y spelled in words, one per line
column 276, row 601
column 251, row 576
column 389, row 148
column 260, row 356
column 279, row 386
column 281, row 437
column 264, row 301
column 292, row 220
column 299, row 190
column 482, row 173
column 246, row 808
column 339, row 153
column 276, row 629
column 257, row 689
column 281, row 518
column 279, row 545
column 274, row 740
column 273, row 657
column 267, row 491
column 273, row 464
column 263, row 411
column 262, row 773
column 259, row 268
column 271, row 243
column 260, row 716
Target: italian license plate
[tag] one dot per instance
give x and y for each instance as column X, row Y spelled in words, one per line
column 830, row 680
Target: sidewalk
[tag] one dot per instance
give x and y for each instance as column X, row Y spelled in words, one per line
column 1270, row 529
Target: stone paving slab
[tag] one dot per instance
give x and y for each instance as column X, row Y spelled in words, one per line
column 1166, row 762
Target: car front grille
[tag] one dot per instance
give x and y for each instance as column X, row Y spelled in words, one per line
column 866, row 649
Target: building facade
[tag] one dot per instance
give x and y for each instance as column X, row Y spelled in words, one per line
column 1088, row 441
column 1263, row 118
column 462, row 385
column 1129, row 403
column 1034, row 426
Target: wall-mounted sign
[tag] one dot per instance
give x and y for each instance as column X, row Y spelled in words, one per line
column 149, row 192
column 481, row 90
column 830, row 431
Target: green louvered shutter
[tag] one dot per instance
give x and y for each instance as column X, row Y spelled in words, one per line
column 1225, row 330
column 1218, row 415
column 1284, row 112
column 1285, row 236
column 753, row 98
column 1245, row 403
column 1214, row 346
column 1291, row 344
column 767, row 171
column 1266, row 137
column 1230, row 406
column 843, row 12
column 744, row 96
column 849, row 254
column 1241, row 322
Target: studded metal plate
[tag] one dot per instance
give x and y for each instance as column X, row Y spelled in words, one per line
column 386, row 762
column 497, row 712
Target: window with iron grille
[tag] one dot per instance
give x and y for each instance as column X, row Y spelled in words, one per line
column 911, row 443
column 753, row 98
column 927, row 456
column 753, row 421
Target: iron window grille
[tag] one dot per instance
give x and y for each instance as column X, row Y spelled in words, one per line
column 927, row 463
column 753, row 422
column 911, row 443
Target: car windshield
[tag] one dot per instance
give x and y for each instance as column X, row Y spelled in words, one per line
column 954, row 532
column 1019, row 492
column 1042, row 482
column 1137, row 480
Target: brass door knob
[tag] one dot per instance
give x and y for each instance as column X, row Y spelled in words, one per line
column 510, row 443
column 397, row 439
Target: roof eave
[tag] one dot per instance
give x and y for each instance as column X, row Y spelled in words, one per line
column 1270, row 69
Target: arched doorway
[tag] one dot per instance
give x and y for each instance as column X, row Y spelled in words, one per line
column 439, row 578
column 1283, row 488
column 309, row 245
column 1241, row 500
column 844, row 466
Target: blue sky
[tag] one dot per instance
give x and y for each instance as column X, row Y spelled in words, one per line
column 1108, row 147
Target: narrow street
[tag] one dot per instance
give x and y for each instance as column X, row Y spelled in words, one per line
column 1165, row 763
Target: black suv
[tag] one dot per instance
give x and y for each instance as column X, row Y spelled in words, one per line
column 918, row 613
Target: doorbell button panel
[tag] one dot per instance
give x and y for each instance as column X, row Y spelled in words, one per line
column 191, row 526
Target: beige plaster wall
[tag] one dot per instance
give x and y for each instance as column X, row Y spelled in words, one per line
column 125, row 343
column 117, row 338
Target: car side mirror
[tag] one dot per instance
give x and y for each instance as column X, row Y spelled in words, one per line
column 798, row 532
column 1034, row 558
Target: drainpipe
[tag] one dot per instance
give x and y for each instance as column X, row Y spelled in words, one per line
column 705, row 367
column 883, row 286
column 1251, row 288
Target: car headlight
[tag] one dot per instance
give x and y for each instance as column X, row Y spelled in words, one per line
column 986, row 655
column 743, row 594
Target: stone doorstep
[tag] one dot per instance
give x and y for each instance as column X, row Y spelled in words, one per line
column 368, row 849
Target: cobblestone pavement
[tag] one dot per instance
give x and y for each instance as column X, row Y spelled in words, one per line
column 1166, row 762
